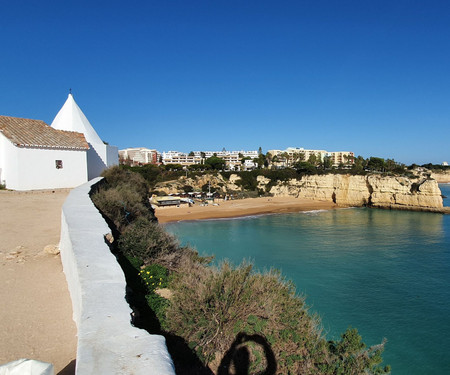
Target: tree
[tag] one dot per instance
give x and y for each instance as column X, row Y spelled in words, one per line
column 327, row 163
column 305, row 167
column 260, row 151
column 173, row 167
column 285, row 158
column 312, row 159
column 215, row 163
column 191, row 153
column 359, row 165
column 261, row 161
column 202, row 154
column 376, row 164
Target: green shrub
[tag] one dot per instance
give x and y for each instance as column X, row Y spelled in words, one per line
column 155, row 277
column 119, row 177
column 353, row 357
column 123, row 197
column 210, row 309
column 145, row 239
column 248, row 180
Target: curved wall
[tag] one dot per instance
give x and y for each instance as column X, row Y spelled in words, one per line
column 107, row 342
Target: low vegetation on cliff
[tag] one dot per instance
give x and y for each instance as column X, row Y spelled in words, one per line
column 226, row 317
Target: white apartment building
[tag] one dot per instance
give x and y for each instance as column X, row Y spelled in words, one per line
column 342, row 157
column 291, row 155
column 176, row 157
column 139, row 155
column 232, row 158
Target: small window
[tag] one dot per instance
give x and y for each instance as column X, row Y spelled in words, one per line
column 58, row 164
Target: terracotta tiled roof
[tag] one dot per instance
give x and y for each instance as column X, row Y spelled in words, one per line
column 36, row 133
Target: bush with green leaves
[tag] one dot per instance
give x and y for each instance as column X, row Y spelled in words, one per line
column 123, row 197
column 210, row 309
column 146, row 240
column 155, row 277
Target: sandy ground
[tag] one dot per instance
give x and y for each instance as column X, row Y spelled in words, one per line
column 35, row 306
column 241, row 207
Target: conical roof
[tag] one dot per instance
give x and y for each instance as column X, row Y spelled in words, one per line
column 70, row 117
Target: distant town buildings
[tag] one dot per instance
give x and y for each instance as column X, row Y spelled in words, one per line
column 235, row 160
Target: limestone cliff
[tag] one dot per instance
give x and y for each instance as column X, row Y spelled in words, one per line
column 442, row 176
column 372, row 190
column 419, row 193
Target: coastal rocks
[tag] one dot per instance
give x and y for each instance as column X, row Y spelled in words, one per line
column 441, row 177
column 375, row 190
column 262, row 182
column 372, row 190
column 343, row 190
column 402, row 192
column 231, row 185
column 217, row 182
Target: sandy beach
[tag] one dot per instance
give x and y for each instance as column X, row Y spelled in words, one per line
column 240, row 207
column 36, row 310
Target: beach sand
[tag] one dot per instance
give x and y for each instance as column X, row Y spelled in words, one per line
column 240, row 207
column 36, row 310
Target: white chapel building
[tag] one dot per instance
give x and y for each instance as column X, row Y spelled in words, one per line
column 34, row 155
column 100, row 155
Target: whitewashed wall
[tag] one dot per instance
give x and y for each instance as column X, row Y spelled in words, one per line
column 100, row 157
column 107, row 342
column 112, row 155
column 2, row 157
column 34, row 168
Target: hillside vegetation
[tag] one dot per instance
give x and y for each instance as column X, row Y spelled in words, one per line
column 225, row 317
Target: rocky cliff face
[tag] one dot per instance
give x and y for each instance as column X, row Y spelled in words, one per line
column 373, row 190
column 443, row 176
column 418, row 193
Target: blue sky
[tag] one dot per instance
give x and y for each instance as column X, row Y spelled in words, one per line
column 372, row 77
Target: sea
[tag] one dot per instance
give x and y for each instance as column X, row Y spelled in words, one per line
column 384, row 272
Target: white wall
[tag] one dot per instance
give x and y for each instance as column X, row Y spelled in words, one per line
column 2, row 157
column 107, row 342
column 100, row 157
column 112, row 155
column 35, row 168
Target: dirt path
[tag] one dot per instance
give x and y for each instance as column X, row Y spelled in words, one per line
column 36, row 310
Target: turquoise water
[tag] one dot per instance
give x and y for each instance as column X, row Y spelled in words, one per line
column 386, row 273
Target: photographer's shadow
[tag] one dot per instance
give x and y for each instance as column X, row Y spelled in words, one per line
column 239, row 356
